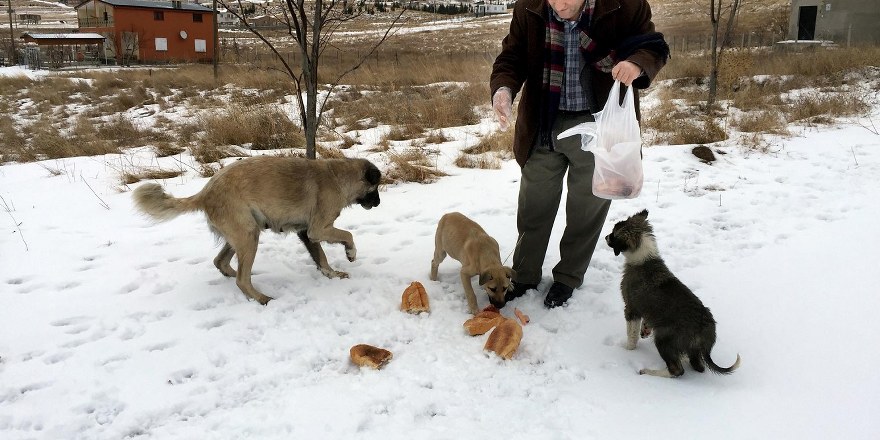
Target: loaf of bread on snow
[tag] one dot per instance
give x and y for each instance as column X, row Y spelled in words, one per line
column 415, row 299
column 505, row 339
column 482, row 322
column 367, row 355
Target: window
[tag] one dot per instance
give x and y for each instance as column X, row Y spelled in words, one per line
column 161, row 44
column 197, row 18
column 158, row 16
column 201, row 46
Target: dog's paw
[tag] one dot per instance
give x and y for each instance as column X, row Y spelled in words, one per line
column 332, row 273
column 631, row 345
column 351, row 253
column 643, row 371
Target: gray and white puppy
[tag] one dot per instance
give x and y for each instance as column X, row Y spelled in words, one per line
column 682, row 325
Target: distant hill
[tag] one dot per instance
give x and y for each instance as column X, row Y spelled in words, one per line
column 674, row 17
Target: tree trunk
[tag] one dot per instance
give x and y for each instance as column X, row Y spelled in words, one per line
column 713, row 48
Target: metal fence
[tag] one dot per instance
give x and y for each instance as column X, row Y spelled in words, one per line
column 688, row 43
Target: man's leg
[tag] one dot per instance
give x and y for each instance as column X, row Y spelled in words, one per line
column 584, row 214
column 540, row 191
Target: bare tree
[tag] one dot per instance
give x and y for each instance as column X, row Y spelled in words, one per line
column 716, row 14
column 312, row 25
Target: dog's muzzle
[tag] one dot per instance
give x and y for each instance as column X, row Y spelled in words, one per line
column 614, row 244
column 369, row 200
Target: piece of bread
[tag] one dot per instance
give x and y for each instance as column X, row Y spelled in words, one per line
column 415, row 299
column 369, row 356
column 482, row 322
column 505, row 339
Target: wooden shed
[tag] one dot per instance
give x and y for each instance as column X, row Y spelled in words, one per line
column 61, row 49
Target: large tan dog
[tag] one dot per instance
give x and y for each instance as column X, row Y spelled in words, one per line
column 284, row 194
column 464, row 240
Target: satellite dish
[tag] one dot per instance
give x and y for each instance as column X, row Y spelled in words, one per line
column 183, row 34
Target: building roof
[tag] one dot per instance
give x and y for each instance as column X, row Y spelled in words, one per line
column 73, row 36
column 151, row 5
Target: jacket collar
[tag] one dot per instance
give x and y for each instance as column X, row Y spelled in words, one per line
column 601, row 8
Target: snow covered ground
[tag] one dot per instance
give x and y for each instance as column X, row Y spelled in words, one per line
column 114, row 327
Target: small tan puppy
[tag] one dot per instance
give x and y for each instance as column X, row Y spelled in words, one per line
column 464, row 240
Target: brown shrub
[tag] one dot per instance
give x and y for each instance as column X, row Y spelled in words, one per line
column 123, row 133
column 14, row 146
column 259, row 128
column 820, row 108
column 705, row 131
column 412, row 165
column 15, row 84
column 766, row 121
column 437, row 137
column 500, row 142
column 404, row 132
column 484, row 162
column 329, row 153
column 164, row 149
column 206, row 153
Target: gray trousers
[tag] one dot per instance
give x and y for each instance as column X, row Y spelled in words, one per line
column 540, row 192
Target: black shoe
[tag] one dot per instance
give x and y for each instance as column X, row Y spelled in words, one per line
column 557, row 295
column 518, row 289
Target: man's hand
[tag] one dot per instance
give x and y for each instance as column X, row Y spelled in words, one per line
column 502, row 103
column 626, row 72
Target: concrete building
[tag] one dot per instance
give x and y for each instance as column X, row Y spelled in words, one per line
column 841, row 21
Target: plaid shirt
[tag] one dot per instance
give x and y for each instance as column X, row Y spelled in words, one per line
column 573, row 97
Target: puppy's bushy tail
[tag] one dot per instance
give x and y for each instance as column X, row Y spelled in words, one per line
column 715, row 368
column 152, row 200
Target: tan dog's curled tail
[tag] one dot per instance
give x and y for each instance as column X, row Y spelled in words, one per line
column 152, row 200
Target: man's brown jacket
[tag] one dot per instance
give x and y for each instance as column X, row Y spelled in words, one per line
column 521, row 61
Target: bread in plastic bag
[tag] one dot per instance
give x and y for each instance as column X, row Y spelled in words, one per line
column 616, row 142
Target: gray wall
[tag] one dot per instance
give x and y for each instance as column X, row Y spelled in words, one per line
column 841, row 21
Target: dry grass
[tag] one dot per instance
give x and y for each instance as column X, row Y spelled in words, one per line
column 47, row 141
column 14, row 146
column 206, row 153
column 705, row 131
column 404, row 132
column 822, row 108
column 329, row 153
column 123, row 133
column 258, row 128
column 428, row 106
column 129, row 177
column 412, row 165
column 436, row 137
column 13, row 85
column 764, row 121
column 483, row 162
column 500, row 142
column 165, row 149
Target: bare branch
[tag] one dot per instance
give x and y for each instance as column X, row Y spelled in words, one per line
column 360, row 62
column 14, row 222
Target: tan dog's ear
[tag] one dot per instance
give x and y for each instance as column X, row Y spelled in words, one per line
column 511, row 274
column 485, row 277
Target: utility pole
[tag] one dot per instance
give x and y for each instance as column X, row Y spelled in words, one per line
column 12, row 57
column 216, row 42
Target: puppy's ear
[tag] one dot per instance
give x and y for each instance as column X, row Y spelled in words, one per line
column 485, row 277
column 511, row 274
column 643, row 214
column 372, row 174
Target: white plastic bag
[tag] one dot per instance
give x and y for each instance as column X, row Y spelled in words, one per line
column 616, row 142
